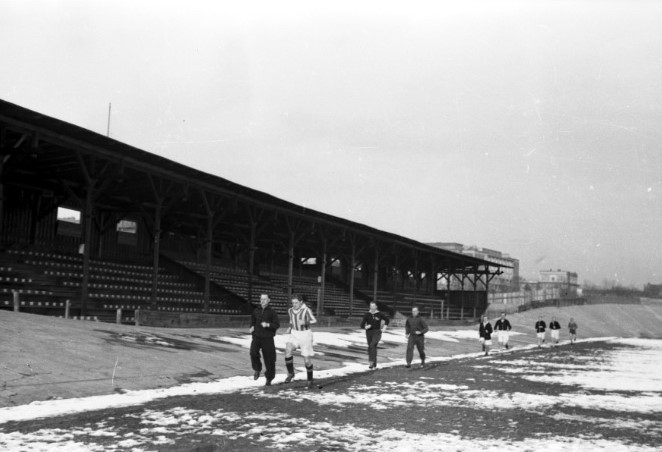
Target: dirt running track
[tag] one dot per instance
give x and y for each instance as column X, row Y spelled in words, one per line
column 43, row 358
column 492, row 403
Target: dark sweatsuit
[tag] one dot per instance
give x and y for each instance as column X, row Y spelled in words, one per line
column 412, row 325
column 485, row 331
column 374, row 334
column 540, row 326
column 263, row 338
column 502, row 325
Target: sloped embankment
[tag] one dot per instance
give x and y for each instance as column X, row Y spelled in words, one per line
column 600, row 320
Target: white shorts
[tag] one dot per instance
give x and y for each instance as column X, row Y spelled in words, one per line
column 541, row 335
column 555, row 334
column 503, row 336
column 302, row 340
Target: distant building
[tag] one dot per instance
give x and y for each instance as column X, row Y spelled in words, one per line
column 505, row 282
column 566, row 282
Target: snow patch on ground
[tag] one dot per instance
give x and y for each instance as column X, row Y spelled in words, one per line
column 616, row 370
column 282, row 432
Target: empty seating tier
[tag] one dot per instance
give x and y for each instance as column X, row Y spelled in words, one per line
column 45, row 280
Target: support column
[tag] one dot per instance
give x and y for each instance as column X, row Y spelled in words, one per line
column 397, row 276
column 417, row 276
column 432, row 280
column 448, row 294
column 487, row 287
column 213, row 210
column 87, row 236
column 251, row 260
column 476, row 276
column 296, row 233
column 352, row 267
column 290, row 266
column 208, row 255
column 156, row 252
column 375, row 276
column 462, row 299
column 320, row 307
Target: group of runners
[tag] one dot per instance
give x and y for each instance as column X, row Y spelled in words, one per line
column 555, row 328
column 503, row 327
column 485, row 330
column 265, row 322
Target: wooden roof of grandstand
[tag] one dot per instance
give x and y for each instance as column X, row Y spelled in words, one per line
column 51, row 154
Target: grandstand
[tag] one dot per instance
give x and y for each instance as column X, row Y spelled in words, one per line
column 90, row 225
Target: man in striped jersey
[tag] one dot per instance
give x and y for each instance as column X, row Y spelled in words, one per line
column 301, row 336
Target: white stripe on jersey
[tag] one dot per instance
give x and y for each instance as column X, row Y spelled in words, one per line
column 302, row 317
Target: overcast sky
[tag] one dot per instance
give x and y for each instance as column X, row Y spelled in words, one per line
column 530, row 127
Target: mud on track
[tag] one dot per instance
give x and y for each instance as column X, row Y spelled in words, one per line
column 503, row 401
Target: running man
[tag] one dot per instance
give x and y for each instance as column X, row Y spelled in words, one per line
column 485, row 333
column 264, row 323
column 556, row 329
column 415, row 329
column 374, row 323
column 301, row 337
column 502, row 327
column 540, row 331
column 572, row 329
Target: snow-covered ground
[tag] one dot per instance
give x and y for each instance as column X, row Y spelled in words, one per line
column 58, row 407
column 357, row 337
column 621, row 384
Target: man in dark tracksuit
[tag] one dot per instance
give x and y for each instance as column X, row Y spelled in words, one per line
column 502, row 327
column 555, row 326
column 415, row 329
column 485, row 334
column 264, row 323
column 374, row 323
column 540, row 331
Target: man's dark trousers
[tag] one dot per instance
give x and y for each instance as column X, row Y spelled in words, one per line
column 419, row 342
column 373, row 337
column 266, row 344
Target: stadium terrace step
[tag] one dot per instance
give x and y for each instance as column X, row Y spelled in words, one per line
column 33, row 303
column 112, row 286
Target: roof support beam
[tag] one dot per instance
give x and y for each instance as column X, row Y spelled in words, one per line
column 87, row 236
column 213, row 209
column 297, row 230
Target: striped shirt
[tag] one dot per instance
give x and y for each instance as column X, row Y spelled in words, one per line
column 301, row 318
